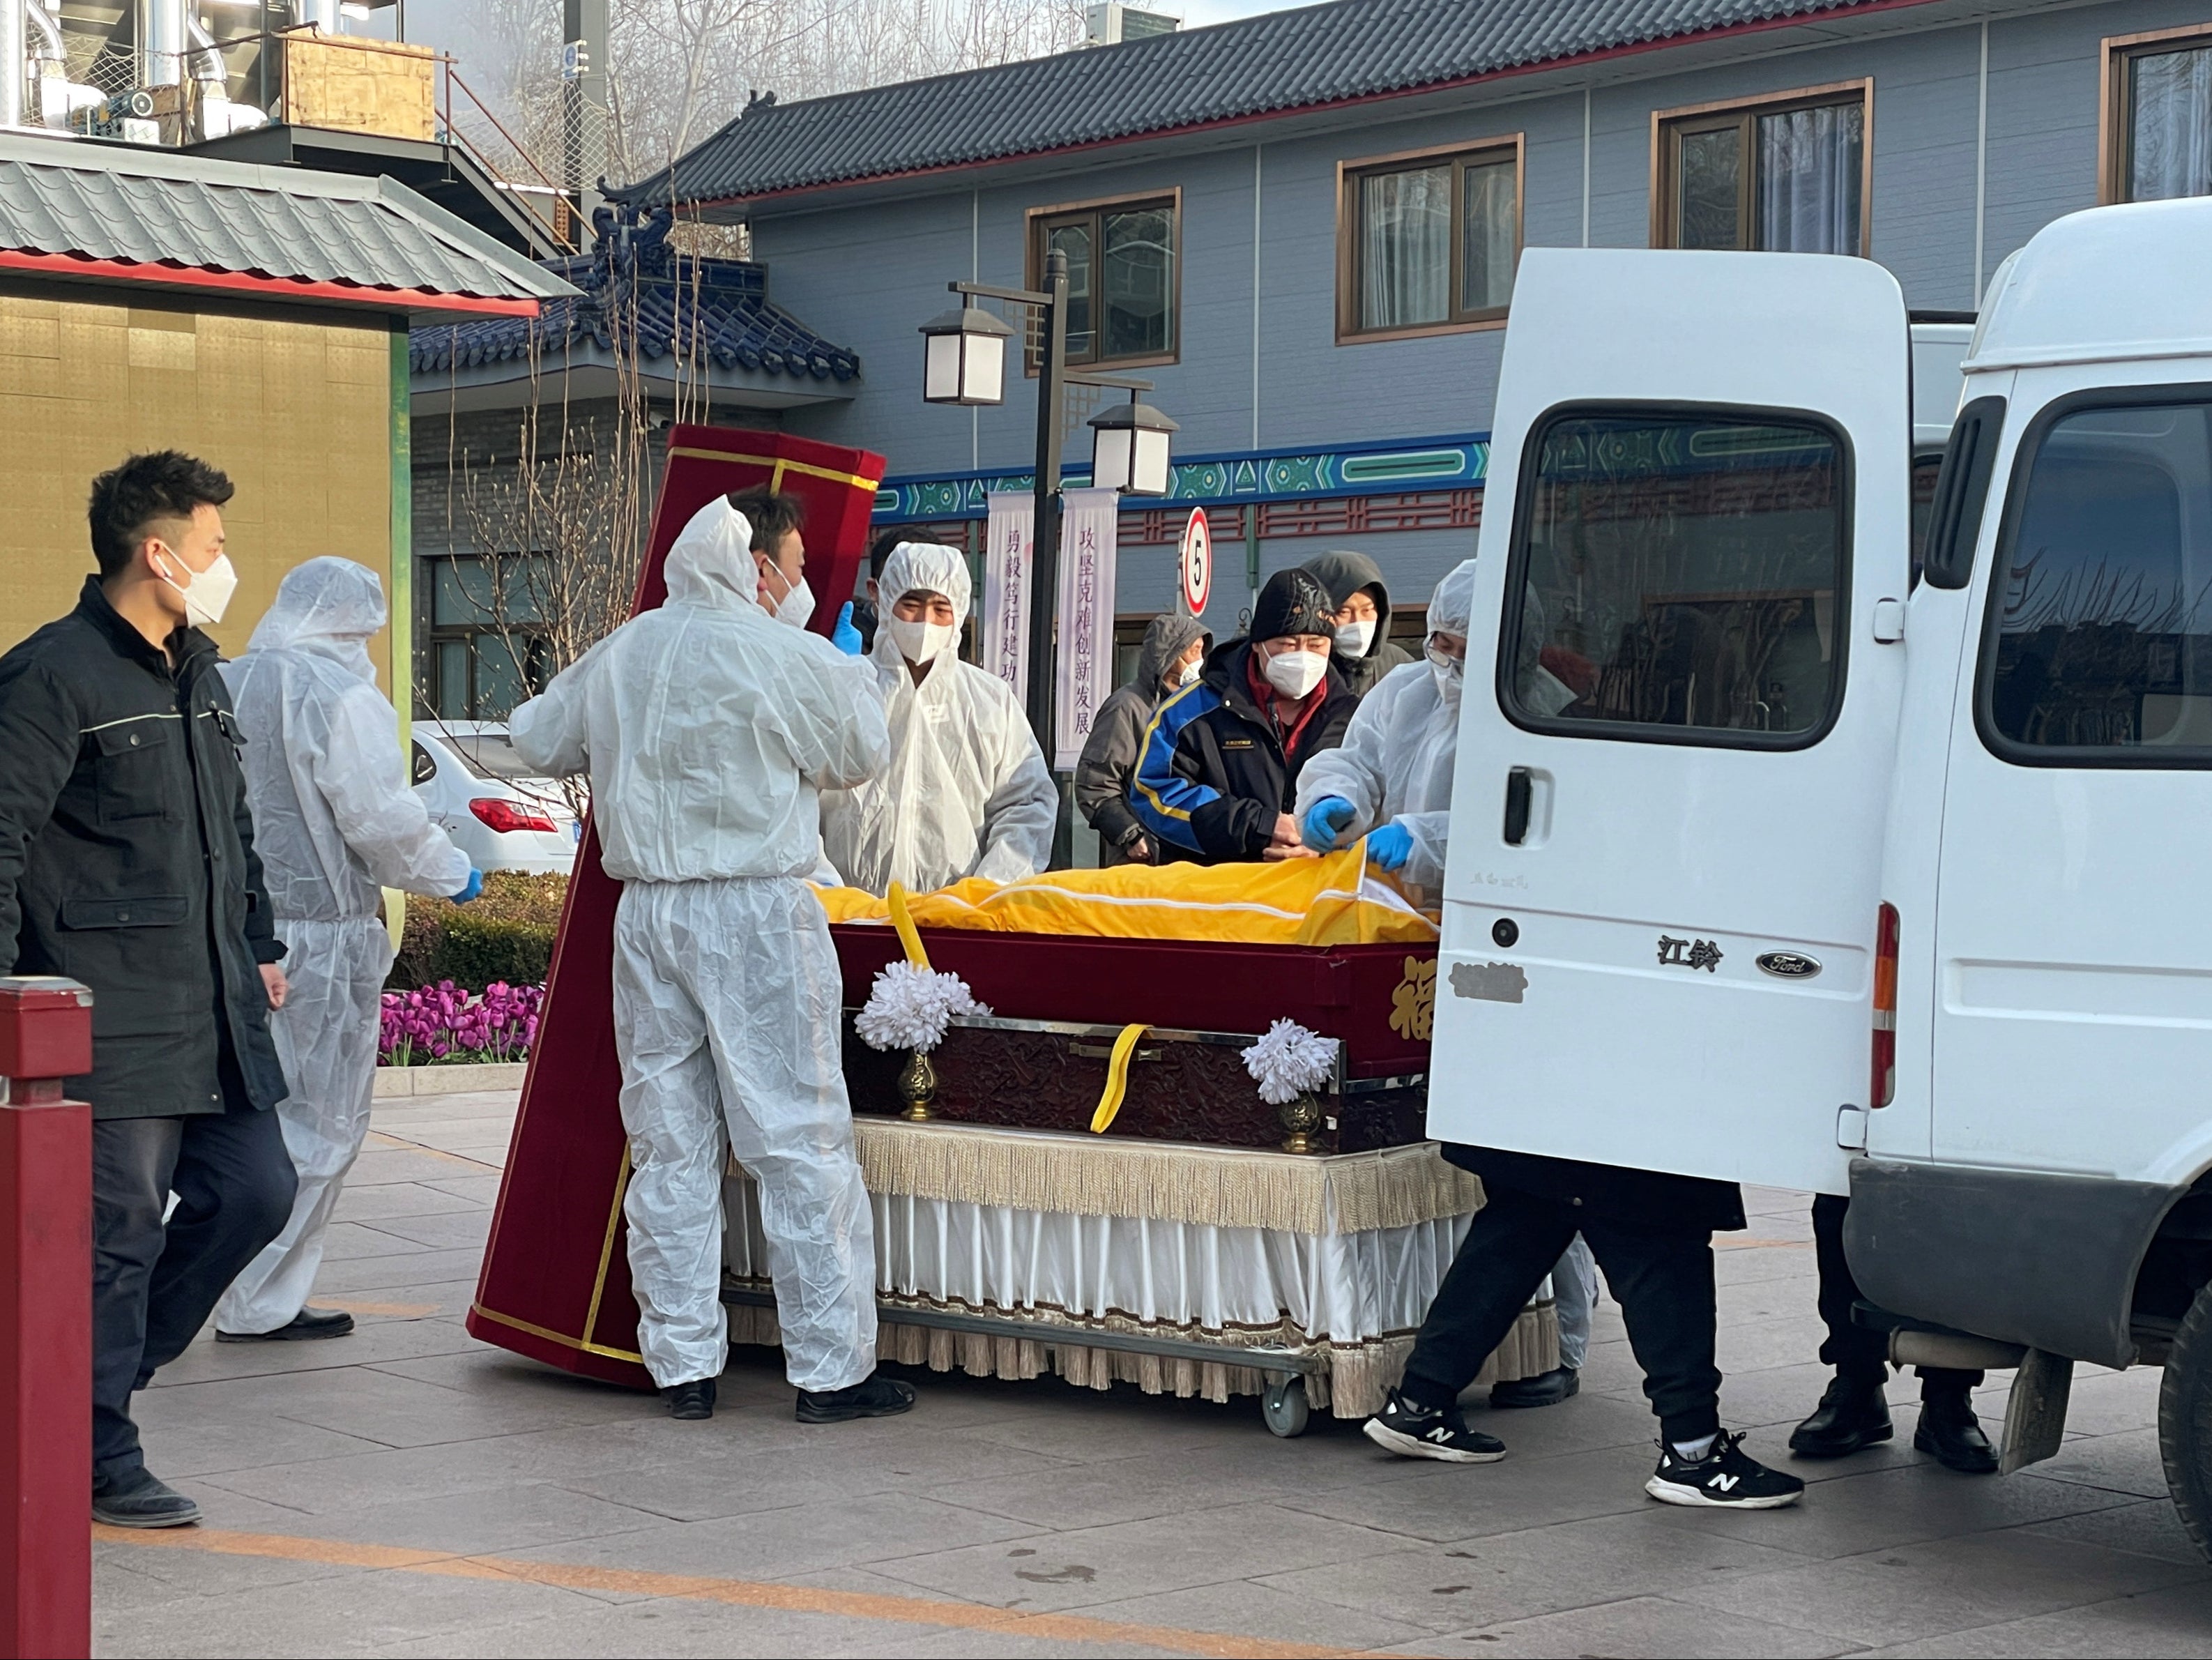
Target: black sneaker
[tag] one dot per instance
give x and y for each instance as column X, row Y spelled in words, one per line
column 691, row 1402
column 1546, row 1389
column 1726, row 1478
column 1412, row 1431
column 874, row 1396
column 1852, row 1415
column 141, row 1499
column 304, row 1326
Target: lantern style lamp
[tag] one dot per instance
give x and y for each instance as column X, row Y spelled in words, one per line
column 965, row 357
column 1129, row 449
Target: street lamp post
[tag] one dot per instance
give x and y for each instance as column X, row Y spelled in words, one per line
column 964, row 363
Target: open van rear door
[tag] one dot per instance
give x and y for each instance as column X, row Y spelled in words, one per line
column 1679, row 714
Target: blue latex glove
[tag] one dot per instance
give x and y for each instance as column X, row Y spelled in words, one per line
column 1319, row 828
column 1389, row 846
column 471, row 889
column 844, row 636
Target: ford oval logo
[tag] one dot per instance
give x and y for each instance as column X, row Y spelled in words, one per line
column 1790, row 964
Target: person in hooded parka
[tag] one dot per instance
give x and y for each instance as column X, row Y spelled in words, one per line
column 1365, row 651
column 334, row 821
column 709, row 728
column 967, row 792
column 1174, row 647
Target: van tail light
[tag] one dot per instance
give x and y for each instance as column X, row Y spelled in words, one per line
column 504, row 816
column 1882, row 1087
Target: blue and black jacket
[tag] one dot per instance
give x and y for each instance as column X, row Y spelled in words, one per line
column 1213, row 777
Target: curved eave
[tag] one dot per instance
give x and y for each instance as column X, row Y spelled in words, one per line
column 258, row 286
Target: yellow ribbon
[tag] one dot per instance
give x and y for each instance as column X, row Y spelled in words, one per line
column 909, row 937
column 1117, row 1078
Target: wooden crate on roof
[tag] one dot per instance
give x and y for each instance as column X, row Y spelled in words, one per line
column 379, row 87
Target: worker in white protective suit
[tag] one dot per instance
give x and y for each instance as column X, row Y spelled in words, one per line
column 1391, row 781
column 334, row 821
column 967, row 792
column 708, row 727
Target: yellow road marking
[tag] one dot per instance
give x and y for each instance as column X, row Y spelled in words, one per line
column 735, row 1593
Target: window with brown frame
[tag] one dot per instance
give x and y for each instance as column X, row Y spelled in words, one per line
column 2156, row 141
column 1784, row 174
column 1427, row 241
column 1121, row 279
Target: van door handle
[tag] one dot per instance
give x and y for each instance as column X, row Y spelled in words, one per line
column 1520, row 790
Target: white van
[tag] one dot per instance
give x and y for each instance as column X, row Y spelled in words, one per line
column 1767, row 866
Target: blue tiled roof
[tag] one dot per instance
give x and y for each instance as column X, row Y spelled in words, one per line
column 714, row 309
column 1276, row 63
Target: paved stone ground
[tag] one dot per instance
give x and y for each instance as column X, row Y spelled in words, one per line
column 408, row 1491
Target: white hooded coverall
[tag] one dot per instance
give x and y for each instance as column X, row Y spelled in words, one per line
column 967, row 792
column 708, row 727
column 334, row 821
column 1396, row 763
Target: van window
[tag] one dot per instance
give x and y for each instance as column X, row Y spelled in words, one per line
column 1679, row 575
column 2101, row 605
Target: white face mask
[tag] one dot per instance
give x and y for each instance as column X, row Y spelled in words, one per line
column 1352, row 639
column 921, row 642
column 1186, row 674
column 207, row 592
column 796, row 607
column 1295, row 673
column 1451, row 671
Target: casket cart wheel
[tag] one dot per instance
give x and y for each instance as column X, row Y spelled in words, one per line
column 1284, row 1406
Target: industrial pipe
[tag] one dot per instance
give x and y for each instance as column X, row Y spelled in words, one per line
column 13, row 63
column 161, row 43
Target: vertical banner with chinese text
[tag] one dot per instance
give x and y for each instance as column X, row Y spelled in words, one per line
column 1083, row 671
column 1003, row 624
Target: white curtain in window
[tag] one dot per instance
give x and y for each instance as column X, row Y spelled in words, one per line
column 1486, row 256
column 2170, row 147
column 1808, row 179
column 1405, row 248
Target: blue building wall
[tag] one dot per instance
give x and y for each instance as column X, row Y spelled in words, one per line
column 869, row 276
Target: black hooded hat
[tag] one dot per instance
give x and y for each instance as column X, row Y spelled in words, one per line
column 1293, row 603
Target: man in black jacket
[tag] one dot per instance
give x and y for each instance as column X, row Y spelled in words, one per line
column 1652, row 1234
column 1218, row 774
column 127, row 862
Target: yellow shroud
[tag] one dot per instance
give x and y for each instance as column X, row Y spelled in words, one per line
column 1336, row 901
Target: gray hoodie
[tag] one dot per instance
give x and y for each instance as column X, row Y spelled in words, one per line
column 1109, row 762
column 1344, row 572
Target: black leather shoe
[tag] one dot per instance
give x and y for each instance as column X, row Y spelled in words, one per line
column 1546, row 1389
column 1852, row 1416
column 874, row 1396
column 143, row 1500
column 304, row 1326
column 1951, row 1435
column 691, row 1402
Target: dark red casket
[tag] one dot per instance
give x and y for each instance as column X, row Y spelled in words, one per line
column 1377, row 1000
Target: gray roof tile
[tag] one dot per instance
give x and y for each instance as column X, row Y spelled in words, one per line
column 1274, row 64
column 143, row 207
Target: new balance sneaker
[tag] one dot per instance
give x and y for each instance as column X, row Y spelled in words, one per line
column 1726, row 1478
column 1413, row 1431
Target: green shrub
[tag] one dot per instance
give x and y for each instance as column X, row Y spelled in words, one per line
column 507, row 934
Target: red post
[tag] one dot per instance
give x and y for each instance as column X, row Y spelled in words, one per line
column 46, row 1321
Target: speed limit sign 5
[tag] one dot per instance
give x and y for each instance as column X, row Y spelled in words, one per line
column 1195, row 562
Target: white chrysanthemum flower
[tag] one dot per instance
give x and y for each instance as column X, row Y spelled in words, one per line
column 911, row 1008
column 1289, row 1061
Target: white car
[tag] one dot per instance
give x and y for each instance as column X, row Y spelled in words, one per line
column 497, row 809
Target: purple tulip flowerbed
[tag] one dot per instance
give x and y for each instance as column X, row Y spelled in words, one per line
column 444, row 1026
